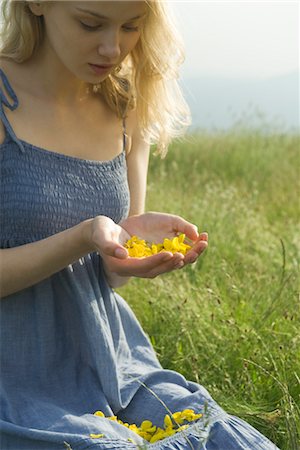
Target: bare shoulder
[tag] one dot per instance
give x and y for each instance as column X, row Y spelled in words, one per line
column 136, row 136
column 131, row 122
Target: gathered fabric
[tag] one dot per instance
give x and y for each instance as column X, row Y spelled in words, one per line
column 70, row 345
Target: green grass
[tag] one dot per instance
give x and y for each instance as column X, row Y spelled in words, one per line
column 231, row 322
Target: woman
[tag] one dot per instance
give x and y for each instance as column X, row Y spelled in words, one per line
column 86, row 87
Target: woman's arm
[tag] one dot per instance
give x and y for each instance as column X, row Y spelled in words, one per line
column 23, row 266
column 137, row 170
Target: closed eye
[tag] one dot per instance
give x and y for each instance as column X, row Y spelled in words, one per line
column 130, row 28
column 89, row 27
column 126, row 27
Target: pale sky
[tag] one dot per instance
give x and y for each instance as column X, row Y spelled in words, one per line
column 239, row 39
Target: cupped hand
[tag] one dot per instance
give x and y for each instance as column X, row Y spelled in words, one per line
column 109, row 238
column 154, row 227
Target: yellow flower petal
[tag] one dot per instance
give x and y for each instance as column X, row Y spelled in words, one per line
column 175, row 244
column 99, row 414
column 169, row 432
column 157, row 436
column 150, row 432
column 154, row 249
column 96, row 436
column 167, row 244
column 177, row 417
column 167, row 421
column 181, row 238
column 146, row 424
column 134, row 428
column 139, row 248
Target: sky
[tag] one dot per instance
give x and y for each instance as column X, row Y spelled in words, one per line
column 239, row 39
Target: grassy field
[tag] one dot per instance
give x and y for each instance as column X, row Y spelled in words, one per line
column 232, row 321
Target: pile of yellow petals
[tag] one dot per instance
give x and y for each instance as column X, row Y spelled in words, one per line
column 139, row 248
column 172, row 424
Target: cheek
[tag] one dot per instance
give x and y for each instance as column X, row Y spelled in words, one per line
column 65, row 42
column 131, row 42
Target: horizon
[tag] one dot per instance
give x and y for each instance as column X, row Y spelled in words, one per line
column 220, row 102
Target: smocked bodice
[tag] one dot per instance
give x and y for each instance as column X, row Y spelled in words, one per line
column 44, row 192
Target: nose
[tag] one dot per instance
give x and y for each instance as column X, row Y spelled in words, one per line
column 109, row 46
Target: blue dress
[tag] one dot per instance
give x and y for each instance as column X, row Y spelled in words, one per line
column 70, row 345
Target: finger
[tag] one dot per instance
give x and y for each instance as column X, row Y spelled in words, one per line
column 152, row 266
column 203, row 236
column 180, row 225
column 111, row 248
column 176, row 262
column 120, row 252
column 193, row 254
column 141, row 267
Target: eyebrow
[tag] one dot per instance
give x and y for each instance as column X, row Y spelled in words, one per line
column 99, row 16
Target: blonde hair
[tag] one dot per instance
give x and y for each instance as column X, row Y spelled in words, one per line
column 147, row 79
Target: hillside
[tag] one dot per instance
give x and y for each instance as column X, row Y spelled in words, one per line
column 218, row 103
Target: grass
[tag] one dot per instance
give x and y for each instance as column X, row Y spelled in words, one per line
column 231, row 322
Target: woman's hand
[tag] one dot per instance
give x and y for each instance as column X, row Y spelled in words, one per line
column 154, row 227
column 108, row 239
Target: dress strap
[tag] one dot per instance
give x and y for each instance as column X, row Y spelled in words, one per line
column 11, row 105
column 124, row 134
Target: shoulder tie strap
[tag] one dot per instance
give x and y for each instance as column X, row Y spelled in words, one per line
column 12, row 106
column 124, row 134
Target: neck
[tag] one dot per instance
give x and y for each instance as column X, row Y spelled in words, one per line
column 54, row 81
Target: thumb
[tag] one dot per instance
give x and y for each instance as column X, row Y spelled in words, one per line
column 106, row 237
column 120, row 252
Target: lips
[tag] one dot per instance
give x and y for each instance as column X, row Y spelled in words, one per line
column 101, row 69
column 102, row 66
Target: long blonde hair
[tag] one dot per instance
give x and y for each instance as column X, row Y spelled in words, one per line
column 147, row 79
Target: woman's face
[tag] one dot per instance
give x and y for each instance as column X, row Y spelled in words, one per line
column 91, row 38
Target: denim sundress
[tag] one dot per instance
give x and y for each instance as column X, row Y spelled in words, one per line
column 70, row 345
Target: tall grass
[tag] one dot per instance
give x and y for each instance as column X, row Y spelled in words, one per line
column 231, row 322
